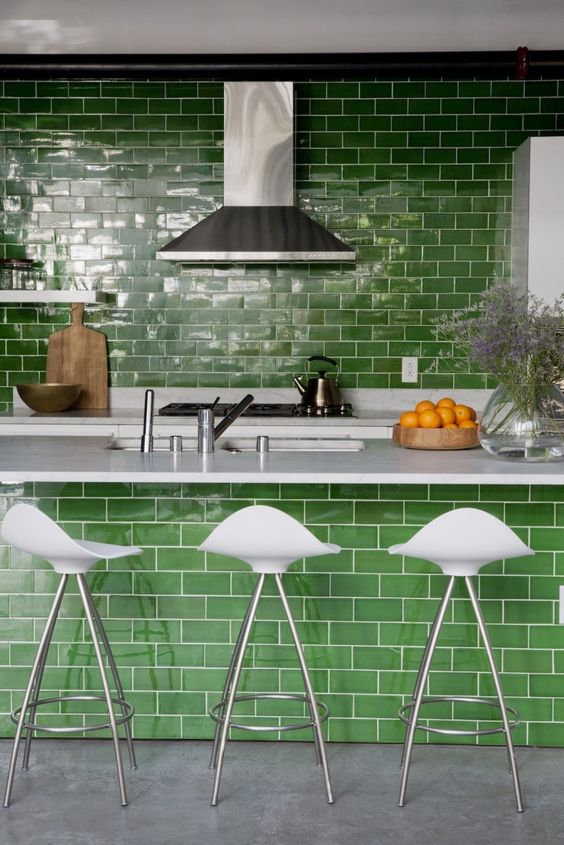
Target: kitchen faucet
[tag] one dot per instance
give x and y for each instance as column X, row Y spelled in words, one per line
column 147, row 436
column 208, row 434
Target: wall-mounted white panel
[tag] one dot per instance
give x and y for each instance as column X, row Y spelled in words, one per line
column 538, row 217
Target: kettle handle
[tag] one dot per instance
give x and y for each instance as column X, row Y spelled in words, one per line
column 323, row 358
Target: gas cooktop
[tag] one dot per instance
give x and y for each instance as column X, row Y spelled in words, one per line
column 257, row 409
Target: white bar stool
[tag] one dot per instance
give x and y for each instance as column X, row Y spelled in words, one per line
column 269, row 541
column 27, row 528
column 460, row 542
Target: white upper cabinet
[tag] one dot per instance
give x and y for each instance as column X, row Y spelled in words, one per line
column 538, row 217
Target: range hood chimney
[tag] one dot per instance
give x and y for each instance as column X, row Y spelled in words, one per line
column 259, row 221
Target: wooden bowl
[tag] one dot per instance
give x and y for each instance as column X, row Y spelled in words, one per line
column 435, row 438
column 48, row 398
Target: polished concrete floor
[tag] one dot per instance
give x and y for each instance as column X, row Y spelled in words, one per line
column 272, row 794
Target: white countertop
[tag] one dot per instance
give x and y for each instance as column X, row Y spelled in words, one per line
column 40, row 458
column 134, row 416
column 372, row 408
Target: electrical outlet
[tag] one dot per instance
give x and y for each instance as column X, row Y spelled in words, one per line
column 409, row 369
column 561, row 605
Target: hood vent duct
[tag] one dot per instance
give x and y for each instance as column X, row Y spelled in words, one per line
column 259, row 221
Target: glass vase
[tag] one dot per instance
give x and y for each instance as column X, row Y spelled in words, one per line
column 525, row 424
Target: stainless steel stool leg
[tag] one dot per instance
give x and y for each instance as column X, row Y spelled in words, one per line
column 113, row 667
column 319, row 756
column 37, row 688
column 232, row 692
column 423, row 680
column 493, row 667
column 418, row 679
column 31, row 683
column 215, row 747
column 309, row 689
column 119, row 763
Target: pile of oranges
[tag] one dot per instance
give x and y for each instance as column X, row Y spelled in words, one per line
column 445, row 414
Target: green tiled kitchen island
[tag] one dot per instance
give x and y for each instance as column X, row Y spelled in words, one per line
column 173, row 616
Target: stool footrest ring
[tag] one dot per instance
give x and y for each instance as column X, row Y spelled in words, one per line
column 404, row 715
column 125, row 717
column 323, row 712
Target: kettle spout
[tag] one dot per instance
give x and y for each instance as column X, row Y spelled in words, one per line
column 299, row 385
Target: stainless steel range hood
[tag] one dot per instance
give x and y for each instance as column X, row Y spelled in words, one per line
column 259, row 221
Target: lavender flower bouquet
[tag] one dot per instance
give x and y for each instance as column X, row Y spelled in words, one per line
column 519, row 339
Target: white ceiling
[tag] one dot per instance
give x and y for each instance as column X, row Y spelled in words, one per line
column 278, row 26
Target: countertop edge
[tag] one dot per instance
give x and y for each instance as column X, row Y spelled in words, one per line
column 43, row 459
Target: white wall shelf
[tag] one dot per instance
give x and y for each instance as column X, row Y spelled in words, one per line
column 38, row 296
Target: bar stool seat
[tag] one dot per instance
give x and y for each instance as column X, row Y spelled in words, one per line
column 28, row 529
column 460, row 542
column 268, row 540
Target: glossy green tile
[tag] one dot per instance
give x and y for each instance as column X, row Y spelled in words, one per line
column 82, row 509
column 159, row 534
column 155, row 631
column 544, row 587
column 353, row 633
column 529, row 661
column 549, row 539
column 133, row 607
column 181, row 703
column 510, row 636
column 330, row 512
column 126, row 509
column 545, row 733
column 507, row 587
column 185, row 655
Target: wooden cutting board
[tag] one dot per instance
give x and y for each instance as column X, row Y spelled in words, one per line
column 77, row 355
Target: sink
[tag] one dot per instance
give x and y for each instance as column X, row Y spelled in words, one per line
column 247, row 444
column 294, row 444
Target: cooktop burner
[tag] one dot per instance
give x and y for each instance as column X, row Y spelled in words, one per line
column 257, row 409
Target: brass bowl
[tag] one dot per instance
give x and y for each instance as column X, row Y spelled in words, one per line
column 48, row 398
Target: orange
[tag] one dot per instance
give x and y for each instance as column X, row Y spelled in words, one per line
column 451, row 426
column 425, row 405
column 409, row 419
column 446, row 414
column 446, row 402
column 468, row 424
column 429, row 419
column 462, row 412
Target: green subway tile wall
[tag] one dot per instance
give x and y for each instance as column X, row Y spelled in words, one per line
column 97, row 175
column 173, row 614
column 417, row 175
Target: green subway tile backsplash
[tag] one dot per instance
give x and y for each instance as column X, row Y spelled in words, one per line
column 97, row 175
column 173, row 615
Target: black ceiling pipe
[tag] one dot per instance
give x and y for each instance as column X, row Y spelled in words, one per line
column 486, row 64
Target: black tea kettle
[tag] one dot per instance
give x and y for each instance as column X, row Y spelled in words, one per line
column 320, row 392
